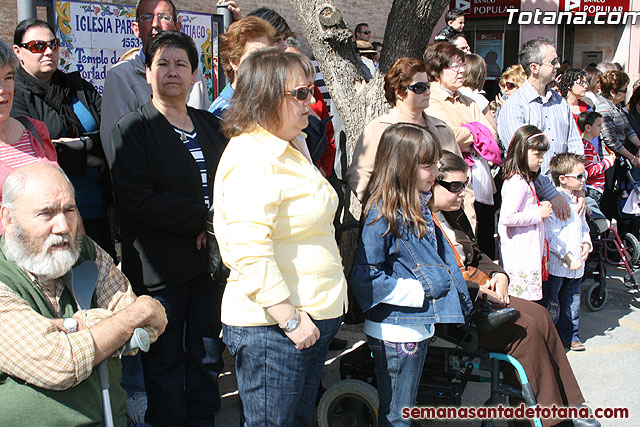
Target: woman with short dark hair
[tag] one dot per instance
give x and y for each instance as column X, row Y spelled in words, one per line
column 166, row 157
column 573, row 86
column 273, row 218
column 617, row 133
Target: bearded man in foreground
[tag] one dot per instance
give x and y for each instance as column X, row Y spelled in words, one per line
column 49, row 348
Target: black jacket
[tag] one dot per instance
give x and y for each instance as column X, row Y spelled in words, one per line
column 27, row 103
column 159, row 190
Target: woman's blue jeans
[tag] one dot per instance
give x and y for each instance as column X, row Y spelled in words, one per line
column 398, row 369
column 277, row 383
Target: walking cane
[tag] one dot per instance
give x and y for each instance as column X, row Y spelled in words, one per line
column 82, row 281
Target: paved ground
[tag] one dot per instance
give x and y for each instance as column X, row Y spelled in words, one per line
column 608, row 371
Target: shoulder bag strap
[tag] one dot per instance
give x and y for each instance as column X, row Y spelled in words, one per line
column 31, row 128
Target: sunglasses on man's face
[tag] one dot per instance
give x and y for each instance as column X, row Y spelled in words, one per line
column 419, row 88
column 454, row 186
column 40, row 46
column 365, row 32
column 301, row 93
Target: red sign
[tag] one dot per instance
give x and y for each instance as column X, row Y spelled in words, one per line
column 486, row 8
column 591, row 7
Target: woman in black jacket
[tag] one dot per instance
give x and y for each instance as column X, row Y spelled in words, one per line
column 531, row 337
column 166, row 155
column 70, row 108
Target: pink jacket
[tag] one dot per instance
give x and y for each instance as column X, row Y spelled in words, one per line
column 484, row 143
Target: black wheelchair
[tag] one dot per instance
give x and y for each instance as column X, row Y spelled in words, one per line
column 454, row 359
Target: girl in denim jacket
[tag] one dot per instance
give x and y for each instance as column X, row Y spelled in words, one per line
column 405, row 275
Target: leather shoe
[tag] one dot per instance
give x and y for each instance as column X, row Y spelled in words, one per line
column 577, row 346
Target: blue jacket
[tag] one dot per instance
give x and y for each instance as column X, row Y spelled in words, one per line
column 380, row 261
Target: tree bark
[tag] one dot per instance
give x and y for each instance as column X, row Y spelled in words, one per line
column 407, row 33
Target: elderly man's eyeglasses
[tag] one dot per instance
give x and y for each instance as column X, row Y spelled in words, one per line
column 457, row 67
column 148, row 17
column 40, row 46
column 454, row 186
column 301, row 93
column 419, row 88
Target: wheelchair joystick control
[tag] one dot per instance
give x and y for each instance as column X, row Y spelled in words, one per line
column 487, row 318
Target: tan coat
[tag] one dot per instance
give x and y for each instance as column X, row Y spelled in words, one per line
column 364, row 153
column 455, row 111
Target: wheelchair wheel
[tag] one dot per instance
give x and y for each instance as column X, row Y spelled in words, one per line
column 592, row 298
column 349, row 403
column 632, row 246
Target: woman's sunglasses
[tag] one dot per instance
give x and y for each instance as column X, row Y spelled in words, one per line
column 454, row 186
column 419, row 88
column 510, row 85
column 301, row 93
column 40, row 46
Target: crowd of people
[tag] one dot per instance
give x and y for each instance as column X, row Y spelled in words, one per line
column 258, row 162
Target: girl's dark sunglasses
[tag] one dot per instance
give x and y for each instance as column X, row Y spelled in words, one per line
column 419, row 88
column 301, row 93
column 40, row 46
column 453, row 186
column 510, row 85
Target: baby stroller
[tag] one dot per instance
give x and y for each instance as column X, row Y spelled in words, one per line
column 453, row 360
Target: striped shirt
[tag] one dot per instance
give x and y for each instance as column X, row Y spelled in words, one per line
column 594, row 166
column 190, row 140
column 552, row 115
column 20, row 153
column 616, row 129
column 33, row 349
column 564, row 237
column 322, row 86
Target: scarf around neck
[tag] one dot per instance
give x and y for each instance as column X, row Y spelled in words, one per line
column 59, row 94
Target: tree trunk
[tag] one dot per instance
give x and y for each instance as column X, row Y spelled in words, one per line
column 408, row 31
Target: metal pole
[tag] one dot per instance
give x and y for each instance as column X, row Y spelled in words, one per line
column 26, row 9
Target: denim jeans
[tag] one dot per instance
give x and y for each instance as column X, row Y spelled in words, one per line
column 181, row 369
column 561, row 296
column 398, row 369
column 277, row 383
column 132, row 377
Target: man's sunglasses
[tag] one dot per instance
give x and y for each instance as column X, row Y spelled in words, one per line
column 301, row 93
column 419, row 88
column 454, row 186
column 365, row 32
column 510, row 85
column 40, row 46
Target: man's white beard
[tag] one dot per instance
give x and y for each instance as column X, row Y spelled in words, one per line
column 43, row 265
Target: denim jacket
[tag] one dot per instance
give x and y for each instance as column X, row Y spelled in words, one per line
column 380, row 261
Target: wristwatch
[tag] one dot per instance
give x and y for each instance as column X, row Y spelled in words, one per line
column 70, row 324
column 84, row 139
column 291, row 324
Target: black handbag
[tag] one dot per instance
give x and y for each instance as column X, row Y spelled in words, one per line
column 218, row 271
